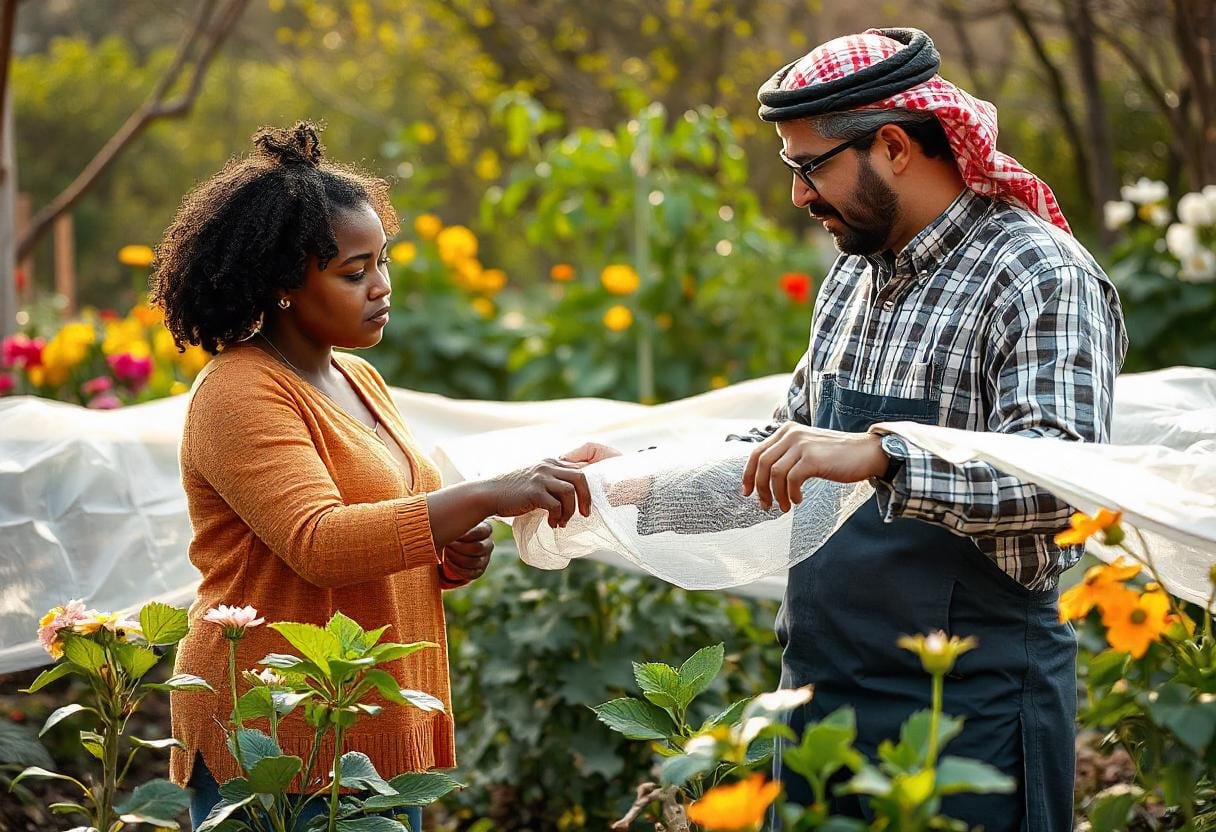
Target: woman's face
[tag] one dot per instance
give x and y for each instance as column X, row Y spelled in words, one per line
column 346, row 303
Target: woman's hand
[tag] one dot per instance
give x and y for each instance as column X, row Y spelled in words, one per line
column 559, row 488
column 589, row 452
column 466, row 558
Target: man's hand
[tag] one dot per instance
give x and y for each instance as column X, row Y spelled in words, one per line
column 465, row 559
column 794, row 454
column 589, row 452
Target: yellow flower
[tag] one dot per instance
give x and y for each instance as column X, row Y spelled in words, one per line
column 468, row 275
column 618, row 318
column 94, row 621
column 456, row 244
column 177, row 388
column 1092, row 590
column 735, row 807
column 403, row 252
column 718, row 382
column 487, row 166
column 619, row 279
column 937, row 652
column 193, row 360
column 493, row 281
column 428, row 226
column 65, row 350
column 125, row 336
column 139, row 257
column 562, row 272
column 483, row 307
column 1083, row 527
column 1134, row 620
column 425, row 132
column 163, row 346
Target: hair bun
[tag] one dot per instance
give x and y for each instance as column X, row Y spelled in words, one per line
column 301, row 145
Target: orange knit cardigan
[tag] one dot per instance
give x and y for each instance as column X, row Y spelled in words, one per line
column 300, row 510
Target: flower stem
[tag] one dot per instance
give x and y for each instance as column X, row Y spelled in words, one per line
column 333, row 791
column 935, row 716
column 236, row 710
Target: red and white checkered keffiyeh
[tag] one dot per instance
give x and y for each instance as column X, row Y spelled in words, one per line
column 969, row 122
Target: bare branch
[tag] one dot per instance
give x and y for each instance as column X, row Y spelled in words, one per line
column 205, row 33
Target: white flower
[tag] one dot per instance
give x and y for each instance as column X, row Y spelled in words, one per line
column 1118, row 214
column 1181, row 240
column 1158, row 215
column 234, row 620
column 1209, row 193
column 781, row 700
column 1199, row 266
column 1145, row 191
column 702, row 745
column 1196, row 209
column 751, row 728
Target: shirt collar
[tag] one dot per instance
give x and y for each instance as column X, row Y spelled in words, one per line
column 926, row 251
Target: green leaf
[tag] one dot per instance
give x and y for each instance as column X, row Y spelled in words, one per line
column 661, row 685
column 728, row 717
column 221, row 813
column 678, row 770
column 256, row 703
column 60, row 714
column 254, row 746
column 370, row 637
column 156, row 803
column 84, row 653
column 636, row 719
column 357, row 772
column 348, row 633
column 826, row 747
column 163, row 624
column 868, row 780
column 340, row 670
column 273, row 775
column 158, row 745
column 314, row 643
column 385, row 683
column 413, row 789
column 699, row 671
column 19, row 746
column 1106, row 668
column 957, row 775
column 391, row 651
column 39, row 773
column 70, row 809
column 370, row 825
column 914, row 734
column 422, row 701
column 93, row 743
column 293, row 664
column 135, row 659
column 235, row 789
column 48, row 676
column 1111, row 810
column 285, row 702
column 182, row 682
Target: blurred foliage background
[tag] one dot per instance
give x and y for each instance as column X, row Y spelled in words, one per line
column 590, row 207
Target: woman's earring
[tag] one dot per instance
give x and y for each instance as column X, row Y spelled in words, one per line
column 284, row 303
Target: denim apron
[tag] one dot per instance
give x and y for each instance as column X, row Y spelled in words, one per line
column 874, row 581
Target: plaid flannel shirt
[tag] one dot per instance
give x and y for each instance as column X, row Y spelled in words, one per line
column 1013, row 327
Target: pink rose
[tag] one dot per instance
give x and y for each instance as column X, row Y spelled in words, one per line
column 131, row 371
column 20, row 350
column 57, row 619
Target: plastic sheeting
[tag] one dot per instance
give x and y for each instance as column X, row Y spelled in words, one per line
column 91, row 504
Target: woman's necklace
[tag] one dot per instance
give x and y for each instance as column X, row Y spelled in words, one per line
column 375, row 419
column 280, row 354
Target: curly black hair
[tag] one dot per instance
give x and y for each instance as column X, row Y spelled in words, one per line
column 247, row 234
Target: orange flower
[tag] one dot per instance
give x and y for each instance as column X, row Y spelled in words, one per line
column 428, row 226
column 1134, row 620
column 562, row 272
column 735, row 807
column 618, row 318
column 1083, row 527
column 620, row 279
column 139, row 257
column 1098, row 583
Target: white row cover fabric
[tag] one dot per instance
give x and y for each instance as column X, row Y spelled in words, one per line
column 91, row 504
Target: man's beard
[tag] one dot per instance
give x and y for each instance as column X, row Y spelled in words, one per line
column 872, row 214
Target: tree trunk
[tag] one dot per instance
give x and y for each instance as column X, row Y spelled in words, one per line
column 1102, row 176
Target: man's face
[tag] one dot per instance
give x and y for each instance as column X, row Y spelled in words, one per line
column 852, row 201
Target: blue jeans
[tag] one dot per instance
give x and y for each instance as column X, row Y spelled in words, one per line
column 206, row 793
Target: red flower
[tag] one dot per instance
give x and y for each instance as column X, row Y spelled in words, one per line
column 109, row 315
column 131, row 371
column 19, row 350
column 20, row 280
column 797, row 285
column 95, row 386
column 6, row 384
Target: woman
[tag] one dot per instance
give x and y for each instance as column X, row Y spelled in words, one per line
column 307, row 493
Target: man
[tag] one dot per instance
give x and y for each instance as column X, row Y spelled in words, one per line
column 959, row 299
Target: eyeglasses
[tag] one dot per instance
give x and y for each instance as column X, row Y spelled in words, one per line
column 805, row 170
